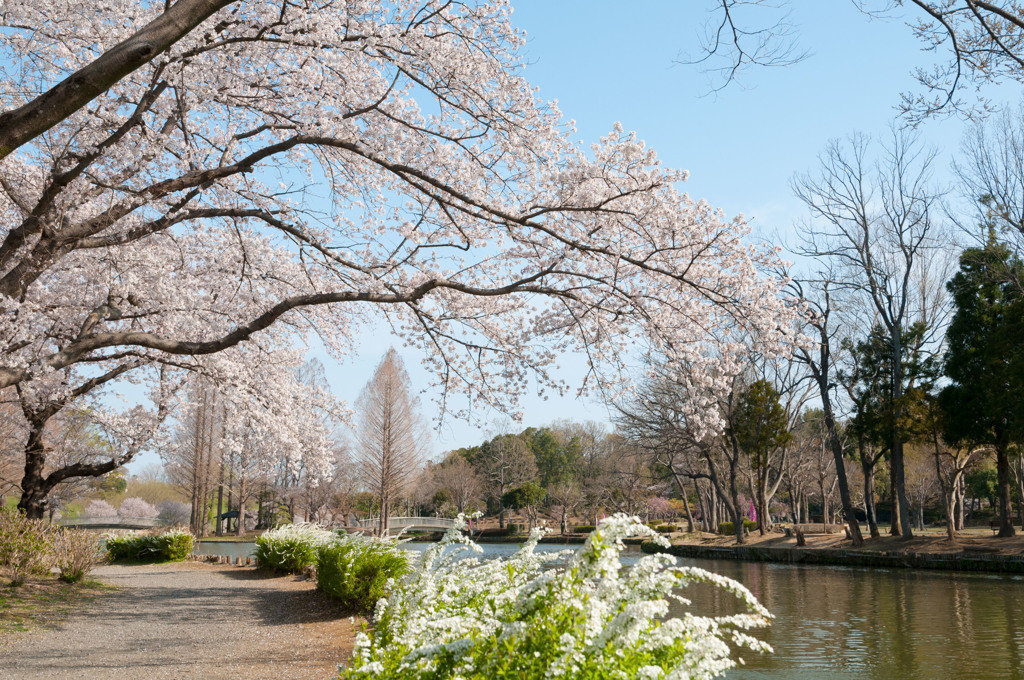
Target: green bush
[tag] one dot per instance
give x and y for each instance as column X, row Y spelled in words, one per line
column 516, row 528
column 26, row 545
column 666, row 528
column 356, row 569
column 493, row 532
column 584, row 529
column 726, row 528
column 168, row 546
column 292, row 547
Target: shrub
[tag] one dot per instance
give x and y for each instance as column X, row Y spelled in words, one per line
column 136, row 507
column 533, row 616
column 583, row 528
column 167, row 546
column 726, row 528
column 356, row 569
column 666, row 528
column 99, row 508
column 291, row 547
column 26, row 545
column 77, row 553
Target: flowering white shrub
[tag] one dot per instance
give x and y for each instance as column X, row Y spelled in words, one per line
column 99, row 508
column 536, row 616
column 136, row 507
column 292, row 547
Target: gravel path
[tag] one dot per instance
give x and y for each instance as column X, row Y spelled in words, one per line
column 190, row 620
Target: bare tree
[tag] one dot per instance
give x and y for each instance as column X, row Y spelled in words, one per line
column 456, row 476
column 389, row 435
column 821, row 362
column 991, row 170
column 191, row 462
column 507, row 462
column 983, row 41
column 879, row 228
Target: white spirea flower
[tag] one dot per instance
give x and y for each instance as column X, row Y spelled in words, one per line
column 552, row 615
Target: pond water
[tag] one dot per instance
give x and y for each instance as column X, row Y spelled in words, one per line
column 834, row 622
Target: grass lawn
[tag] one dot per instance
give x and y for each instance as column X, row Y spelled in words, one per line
column 43, row 602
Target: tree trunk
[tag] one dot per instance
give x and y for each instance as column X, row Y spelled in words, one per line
column 763, row 519
column 898, row 476
column 734, row 493
column 220, row 497
column 961, row 491
column 1006, row 529
column 701, row 505
column 713, row 493
column 1020, row 488
column 836, row 444
column 689, row 515
column 897, row 511
column 34, row 488
column 240, row 526
column 870, row 504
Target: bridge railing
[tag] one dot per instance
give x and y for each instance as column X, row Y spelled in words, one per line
column 111, row 522
column 407, row 523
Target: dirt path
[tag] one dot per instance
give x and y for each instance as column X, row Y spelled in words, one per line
column 190, row 620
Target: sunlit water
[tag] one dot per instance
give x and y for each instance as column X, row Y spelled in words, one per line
column 854, row 623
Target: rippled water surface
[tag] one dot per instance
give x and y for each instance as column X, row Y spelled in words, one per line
column 856, row 623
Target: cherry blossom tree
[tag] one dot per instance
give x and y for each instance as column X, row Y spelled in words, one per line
column 211, row 174
column 272, row 421
column 136, row 507
column 99, row 508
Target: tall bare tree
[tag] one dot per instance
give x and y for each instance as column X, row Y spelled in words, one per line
column 823, row 326
column 389, row 434
column 879, row 226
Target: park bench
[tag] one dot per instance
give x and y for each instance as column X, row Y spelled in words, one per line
column 993, row 524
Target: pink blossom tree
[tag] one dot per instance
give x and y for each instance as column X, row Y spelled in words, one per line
column 173, row 223
column 99, row 508
column 136, row 507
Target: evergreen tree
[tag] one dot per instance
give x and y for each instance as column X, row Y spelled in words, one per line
column 985, row 360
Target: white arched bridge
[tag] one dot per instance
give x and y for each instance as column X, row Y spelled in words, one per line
column 110, row 522
column 407, row 523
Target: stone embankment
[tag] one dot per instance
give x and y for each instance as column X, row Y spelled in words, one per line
column 969, row 558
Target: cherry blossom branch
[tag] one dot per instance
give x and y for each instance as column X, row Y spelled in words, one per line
column 47, row 110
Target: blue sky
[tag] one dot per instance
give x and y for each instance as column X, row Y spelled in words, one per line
column 608, row 61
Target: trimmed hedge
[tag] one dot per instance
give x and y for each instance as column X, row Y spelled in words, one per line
column 666, row 528
column 169, row 546
column 584, row 529
column 726, row 528
column 355, row 570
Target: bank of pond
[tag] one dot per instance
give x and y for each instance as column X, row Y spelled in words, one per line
column 849, row 621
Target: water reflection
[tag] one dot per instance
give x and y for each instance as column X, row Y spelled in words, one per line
column 858, row 623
